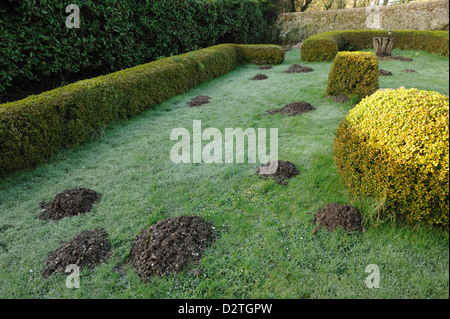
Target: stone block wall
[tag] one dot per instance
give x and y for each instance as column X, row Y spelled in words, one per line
column 299, row 26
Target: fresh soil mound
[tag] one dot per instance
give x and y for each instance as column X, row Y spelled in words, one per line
column 340, row 98
column 293, row 109
column 297, row 68
column 169, row 246
column 70, row 202
column 285, row 170
column 385, row 73
column 265, row 67
column 409, row 71
column 86, row 249
column 199, row 100
column 333, row 216
column 401, row 58
column 259, row 77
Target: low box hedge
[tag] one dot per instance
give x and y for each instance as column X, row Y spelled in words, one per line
column 260, row 54
column 353, row 74
column 39, row 126
column 324, row 46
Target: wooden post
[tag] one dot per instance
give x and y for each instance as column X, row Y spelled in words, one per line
column 383, row 46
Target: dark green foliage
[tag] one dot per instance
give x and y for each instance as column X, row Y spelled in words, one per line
column 324, row 46
column 38, row 52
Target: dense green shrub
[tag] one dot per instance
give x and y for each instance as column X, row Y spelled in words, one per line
column 260, row 54
column 353, row 74
column 33, row 129
column 38, row 52
column 324, row 46
column 394, row 146
column 319, row 50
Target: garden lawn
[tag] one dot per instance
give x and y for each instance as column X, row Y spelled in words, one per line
column 266, row 244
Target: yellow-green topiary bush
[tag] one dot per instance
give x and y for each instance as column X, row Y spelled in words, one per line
column 353, row 74
column 394, row 146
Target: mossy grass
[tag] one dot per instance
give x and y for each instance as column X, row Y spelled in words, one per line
column 266, row 246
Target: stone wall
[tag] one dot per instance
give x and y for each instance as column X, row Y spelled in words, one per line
column 299, row 26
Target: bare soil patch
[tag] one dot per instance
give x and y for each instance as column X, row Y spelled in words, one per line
column 385, row 72
column 395, row 58
column 169, row 246
column 284, row 172
column 68, row 203
column 297, row 68
column 259, row 77
column 402, row 58
column 199, row 100
column 333, row 216
column 293, row 109
column 88, row 248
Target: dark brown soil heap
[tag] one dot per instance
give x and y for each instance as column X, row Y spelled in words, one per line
column 385, row 73
column 259, row 77
column 169, row 246
column 293, row 109
column 409, row 71
column 297, row 68
column 401, row 58
column 340, row 98
column 333, row 216
column 86, row 249
column 265, row 67
column 285, row 170
column 199, row 100
column 70, row 202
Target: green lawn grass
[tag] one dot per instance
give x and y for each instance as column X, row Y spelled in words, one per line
column 266, row 246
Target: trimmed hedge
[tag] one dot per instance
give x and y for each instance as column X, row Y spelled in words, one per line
column 324, row 46
column 353, row 74
column 394, row 146
column 33, row 129
column 260, row 54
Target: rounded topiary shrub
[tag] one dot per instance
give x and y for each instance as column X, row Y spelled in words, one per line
column 353, row 74
column 394, row 146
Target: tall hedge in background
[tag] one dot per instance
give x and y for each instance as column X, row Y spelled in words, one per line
column 38, row 52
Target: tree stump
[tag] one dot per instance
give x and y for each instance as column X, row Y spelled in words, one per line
column 383, row 46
